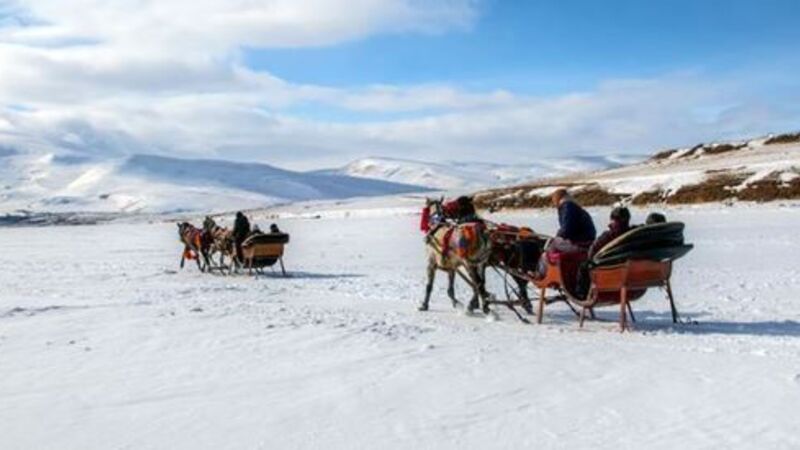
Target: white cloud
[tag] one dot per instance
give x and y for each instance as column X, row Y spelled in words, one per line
column 164, row 76
column 219, row 25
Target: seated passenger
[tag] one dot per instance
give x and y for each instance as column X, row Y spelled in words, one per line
column 654, row 218
column 274, row 228
column 619, row 225
column 576, row 229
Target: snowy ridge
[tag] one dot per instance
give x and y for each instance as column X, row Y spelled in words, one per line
column 762, row 169
column 66, row 182
column 454, row 175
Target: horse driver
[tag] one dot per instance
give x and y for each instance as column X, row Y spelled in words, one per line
column 576, row 231
column 241, row 229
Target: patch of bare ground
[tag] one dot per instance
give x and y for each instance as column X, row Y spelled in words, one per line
column 786, row 138
column 663, row 154
column 728, row 186
column 597, row 196
column 700, row 150
column 771, row 188
column 716, row 188
column 514, row 198
column 693, row 151
column 719, row 187
column 716, row 149
column 650, row 197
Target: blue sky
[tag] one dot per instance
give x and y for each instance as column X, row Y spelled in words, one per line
column 320, row 82
column 552, row 47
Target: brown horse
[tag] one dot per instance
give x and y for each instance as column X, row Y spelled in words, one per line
column 221, row 241
column 195, row 245
column 515, row 251
column 462, row 249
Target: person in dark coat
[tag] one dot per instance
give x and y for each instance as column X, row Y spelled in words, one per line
column 620, row 224
column 241, row 229
column 575, row 224
column 576, row 230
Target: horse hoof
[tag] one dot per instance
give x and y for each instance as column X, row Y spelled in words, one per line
column 422, row 307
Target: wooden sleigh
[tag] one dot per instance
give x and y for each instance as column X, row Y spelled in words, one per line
column 264, row 250
column 620, row 273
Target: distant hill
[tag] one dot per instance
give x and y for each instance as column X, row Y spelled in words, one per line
column 763, row 169
column 65, row 182
column 456, row 175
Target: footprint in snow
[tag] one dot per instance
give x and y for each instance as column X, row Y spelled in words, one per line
column 797, row 379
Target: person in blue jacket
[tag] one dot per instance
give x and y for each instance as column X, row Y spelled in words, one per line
column 574, row 223
column 576, row 231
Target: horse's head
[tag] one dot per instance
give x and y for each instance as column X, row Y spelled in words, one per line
column 183, row 226
column 431, row 213
column 434, row 205
column 208, row 223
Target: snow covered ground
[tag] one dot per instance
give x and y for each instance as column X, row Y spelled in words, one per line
column 104, row 344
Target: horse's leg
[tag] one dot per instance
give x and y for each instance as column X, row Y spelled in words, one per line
column 199, row 263
column 235, row 261
column 480, row 297
column 183, row 257
column 482, row 293
column 522, row 287
column 473, row 278
column 208, row 264
column 429, row 287
column 233, row 267
column 451, row 288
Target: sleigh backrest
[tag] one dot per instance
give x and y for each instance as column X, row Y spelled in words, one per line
column 265, row 245
column 657, row 242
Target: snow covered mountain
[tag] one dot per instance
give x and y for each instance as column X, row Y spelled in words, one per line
column 45, row 181
column 763, row 169
column 475, row 175
column 66, row 182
